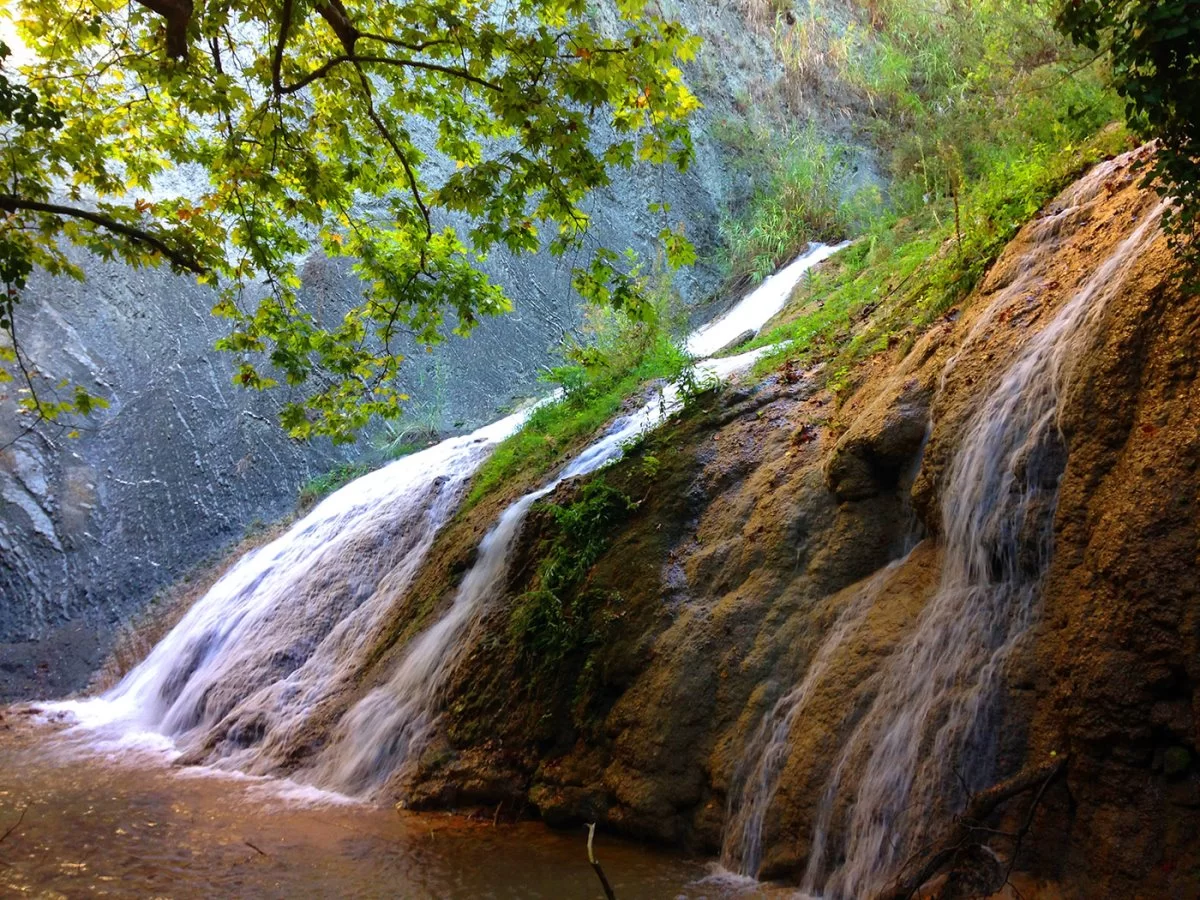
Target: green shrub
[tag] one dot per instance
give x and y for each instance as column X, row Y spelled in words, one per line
column 620, row 355
column 806, row 194
column 904, row 273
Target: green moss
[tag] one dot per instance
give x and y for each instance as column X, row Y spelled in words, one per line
column 596, row 381
column 554, row 621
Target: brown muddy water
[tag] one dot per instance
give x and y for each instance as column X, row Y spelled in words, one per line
column 89, row 821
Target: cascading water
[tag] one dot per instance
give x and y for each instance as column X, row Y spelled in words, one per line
column 389, row 726
column 932, row 721
column 285, row 619
column 286, row 630
column 757, row 778
column 753, row 310
column 936, row 702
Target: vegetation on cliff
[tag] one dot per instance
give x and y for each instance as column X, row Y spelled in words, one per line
column 945, row 94
column 906, row 272
column 617, row 356
column 980, row 114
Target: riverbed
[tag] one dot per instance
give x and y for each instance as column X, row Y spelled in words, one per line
column 87, row 819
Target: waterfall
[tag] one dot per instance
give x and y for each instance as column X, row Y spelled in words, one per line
column 288, row 629
column 753, row 310
column 936, row 705
column 284, row 619
column 389, row 726
column 757, row 776
column 757, row 779
column 928, row 737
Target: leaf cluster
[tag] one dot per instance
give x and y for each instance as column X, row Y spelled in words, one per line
column 1154, row 46
column 225, row 139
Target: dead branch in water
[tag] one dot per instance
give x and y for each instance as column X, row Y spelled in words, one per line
column 608, row 891
column 17, row 824
column 962, row 832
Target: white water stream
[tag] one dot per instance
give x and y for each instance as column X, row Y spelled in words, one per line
column 930, row 737
column 277, row 630
column 389, row 726
column 757, row 780
column 753, row 310
column 287, row 629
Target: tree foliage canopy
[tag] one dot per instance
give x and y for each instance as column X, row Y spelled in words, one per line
column 1155, row 51
column 226, row 139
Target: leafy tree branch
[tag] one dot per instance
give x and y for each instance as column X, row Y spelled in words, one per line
column 1154, row 48
column 178, row 258
column 300, row 115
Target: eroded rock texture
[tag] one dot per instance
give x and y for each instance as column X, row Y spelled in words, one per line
column 759, row 523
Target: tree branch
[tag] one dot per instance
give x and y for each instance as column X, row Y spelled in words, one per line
column 958, row 834
column 178, row 14
column 325, row 68
column 403, row 45
column 177, row 258
column 462, row 74
column 334, row 13
column 17, row 825
column 285, row 22
column 387, row 135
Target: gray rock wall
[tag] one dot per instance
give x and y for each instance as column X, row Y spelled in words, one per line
column 182, row 461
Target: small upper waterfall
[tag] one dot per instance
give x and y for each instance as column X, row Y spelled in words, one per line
column 287, row 629
column 928, row 737
column 759, row 305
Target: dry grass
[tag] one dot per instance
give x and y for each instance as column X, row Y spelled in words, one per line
column 762, row 15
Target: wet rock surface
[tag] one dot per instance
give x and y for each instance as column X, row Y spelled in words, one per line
column 758, row 522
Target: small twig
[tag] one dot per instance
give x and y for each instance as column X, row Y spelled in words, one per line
column 1024, row 829
column 608, row 891
column 25, row 809
column 496, row 817
column 254, row 848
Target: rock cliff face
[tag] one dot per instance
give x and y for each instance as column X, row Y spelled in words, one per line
column 763, row 514
column 182, row 462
